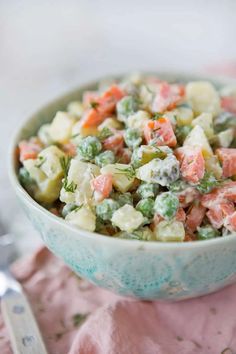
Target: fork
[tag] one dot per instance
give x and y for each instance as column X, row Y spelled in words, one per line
column 20, row 322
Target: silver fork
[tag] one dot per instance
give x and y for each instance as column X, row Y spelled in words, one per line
column 20, row 322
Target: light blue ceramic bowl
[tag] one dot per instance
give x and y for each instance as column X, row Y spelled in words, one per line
column 145, row 270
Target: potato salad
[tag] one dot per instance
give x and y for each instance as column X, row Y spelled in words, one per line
column 141, row 159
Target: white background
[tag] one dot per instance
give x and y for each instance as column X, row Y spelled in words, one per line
column 48, row 47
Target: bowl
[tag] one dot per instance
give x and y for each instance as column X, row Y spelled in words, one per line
column 144, row 270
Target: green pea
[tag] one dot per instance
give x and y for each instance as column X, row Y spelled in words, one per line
column 125, row 107
column 146, row 207
column 89, row 147
column 125, row 198
column 166, row 205
column 147, row 190
column 26, row 180
column 105, row 158
column 106, row 208
column 207, row 232
column 132, row 138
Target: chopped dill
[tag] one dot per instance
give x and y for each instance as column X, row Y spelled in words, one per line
column 129, row 172
column 42, row 160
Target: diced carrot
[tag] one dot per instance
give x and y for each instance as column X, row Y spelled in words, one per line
column 69, row 149
column 92, row 117
column 219, row 195
column 215, row 217
column 189, row 237
column 192, row 163
column 160, row 131
column 102, row 185
column 195, row 216
column 187, row 196
column 105, row 105
column 229, row 190
column 228, row 103
column 180, row 215
column 227, row 208
column 109, row 99
column 230, row 222
column 29, row 149
column 209, row 200
column 114, row 143
column 227, row 157
column 124, row 155
column 218, row 214
column 167, row 97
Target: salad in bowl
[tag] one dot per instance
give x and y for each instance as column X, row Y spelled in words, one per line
column 139, row 158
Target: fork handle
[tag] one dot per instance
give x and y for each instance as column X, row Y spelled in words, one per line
column 20, row 322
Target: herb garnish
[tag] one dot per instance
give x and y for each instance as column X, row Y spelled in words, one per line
column 78, row 318
column 65, row 165
column 207, row 183
column 94, row 104
column 77, row 207
column 157, row 116
column 129, row 172
column 69, row 187
column 42, row 160
column 75, row 136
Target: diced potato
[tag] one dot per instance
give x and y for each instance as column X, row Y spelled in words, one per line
column 76, row 108
column 82, row 218
column 49, row 162
column 163, row 172
column 203, row 97
column 80, row 174
column 48, row 191
column 146, row 96
column 47, row 172
column 225, row 137
column 110, row 123
column 44, row 134
column 205, row 121
column 146, row 153
column 197, row 137
column 36, row 173
column 127, row 218
column 123, row 178
column 168, row 231
column 212, row 165
column 138, row 120
column 83, row 131
column 183, row 115
column 61, row 127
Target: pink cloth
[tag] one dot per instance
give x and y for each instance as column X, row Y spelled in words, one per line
column 76, row 317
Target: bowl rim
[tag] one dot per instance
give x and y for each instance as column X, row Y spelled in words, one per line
column 93, row 236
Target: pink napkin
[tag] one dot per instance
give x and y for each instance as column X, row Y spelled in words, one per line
column 76, row 317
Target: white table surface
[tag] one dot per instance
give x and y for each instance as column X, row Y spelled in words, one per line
column 48, row 47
